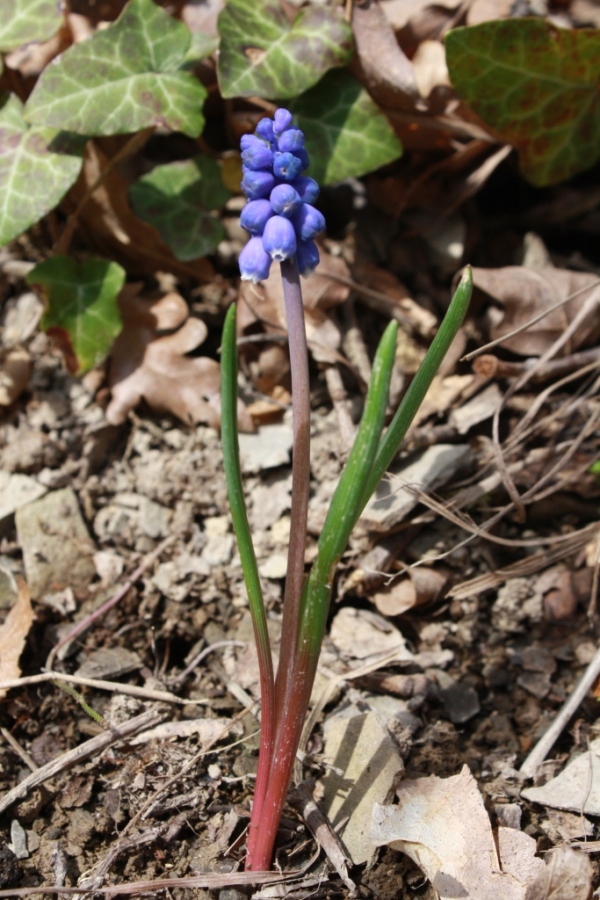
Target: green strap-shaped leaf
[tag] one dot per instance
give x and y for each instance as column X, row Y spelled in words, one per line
column 81, row 307
column 177, row 198
column 124, row 78
column 262, row 54
column 538, row 86
column 26, row 21
column 37, row 167
column 346, row 133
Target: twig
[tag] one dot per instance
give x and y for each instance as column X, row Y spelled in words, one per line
column 20, row 751
column 529, row 323
column 89, row 748
column 490, row 366
column 548, row 739
column 131, row 689
column 85, row 623
column 301, row 799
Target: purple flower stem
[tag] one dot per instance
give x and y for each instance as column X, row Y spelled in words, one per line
column 266, row 810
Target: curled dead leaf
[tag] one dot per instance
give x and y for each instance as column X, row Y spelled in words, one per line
column 264, row 303
column 15, row 369
column 13, row 633
column 420, row 585
column 524, row 293
column 147, row 364
column 567, row 876
column 443, row 826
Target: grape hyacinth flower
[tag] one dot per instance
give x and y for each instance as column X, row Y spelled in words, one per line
column 283, row 223
column 279, row 211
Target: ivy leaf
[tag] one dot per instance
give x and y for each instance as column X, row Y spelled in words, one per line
column 29, row 21
column 537, row 86
column 37, row 167
column 346, row 134
column 124, row 78
column 177, row 198
column 81, row 307
column 262, row 54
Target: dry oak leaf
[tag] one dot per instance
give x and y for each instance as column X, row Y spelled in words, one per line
column 524, row 293
column 13, row 633
column 566, row 876
column 264, row 303
column 443, row 826
column 147, row 364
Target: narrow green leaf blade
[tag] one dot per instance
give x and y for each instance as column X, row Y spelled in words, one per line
column 537, row 86
column 28, row 21
column 177, row 199
column 262, row 54
column 396, row 432
column 81, row 307
column 346, row 133
column 37, row 167
column 124, row 78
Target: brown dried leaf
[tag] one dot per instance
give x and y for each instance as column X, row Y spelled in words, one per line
column 443, row 826
column 110, row 226
column 13, row 634
column 524, row 293
column 381, row 64
column 264, row 303
column 421, row 585
column 15, row 369
column 567, row 876
column 147, row 365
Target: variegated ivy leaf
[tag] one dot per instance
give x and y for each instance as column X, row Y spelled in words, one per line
column 81, row 307
column 26, row 21
column 262, row 54
column 37, row 167
column 177, row 199
column 127, row 77
column 536, row 85
column 346, row 133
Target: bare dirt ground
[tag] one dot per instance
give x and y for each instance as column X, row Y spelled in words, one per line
column 463, row 660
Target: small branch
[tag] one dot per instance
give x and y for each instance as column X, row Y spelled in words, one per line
column 131, row 690
column 490, row 366
column 89, row 748
column 547, row 741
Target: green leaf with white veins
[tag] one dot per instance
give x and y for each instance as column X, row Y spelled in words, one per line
column 122, row 79
column 262, row 54
column 346, row 134
column 177, row 198
column 81, row 307
column 37, row 167
column 29, row 21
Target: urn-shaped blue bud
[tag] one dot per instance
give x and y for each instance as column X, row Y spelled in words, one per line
column 257, row 156
column 284, row 200
column 281, row 120
column 257, row 184
column 307, row 254
column 308, row 222
column 291, row 141
column 255, row 215
column 279, row 238
column 307, row 188
column 254, row 261
column 265, row 130
column 287, row 166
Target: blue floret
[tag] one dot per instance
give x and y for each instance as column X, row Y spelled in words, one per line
column 279, row 215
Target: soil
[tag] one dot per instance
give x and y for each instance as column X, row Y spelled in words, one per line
column 490, row 666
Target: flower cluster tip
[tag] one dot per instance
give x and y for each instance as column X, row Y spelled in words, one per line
column 279, row 213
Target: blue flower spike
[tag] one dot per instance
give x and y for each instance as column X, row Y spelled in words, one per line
column 279, row 214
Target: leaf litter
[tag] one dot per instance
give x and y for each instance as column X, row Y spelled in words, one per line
column 448, row 607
